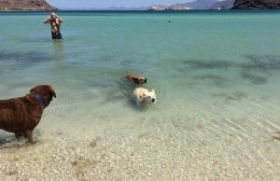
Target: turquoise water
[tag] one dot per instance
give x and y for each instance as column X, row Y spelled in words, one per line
column 216, row 76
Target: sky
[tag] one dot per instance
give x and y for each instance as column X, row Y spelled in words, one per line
column 105, row 4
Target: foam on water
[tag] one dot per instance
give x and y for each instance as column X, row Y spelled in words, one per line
column 217, row 113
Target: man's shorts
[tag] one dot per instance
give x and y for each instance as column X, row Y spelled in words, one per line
column 56, row 36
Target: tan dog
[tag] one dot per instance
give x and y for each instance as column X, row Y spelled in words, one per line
column 144, row 96
column 136, row 79
column 21, row 115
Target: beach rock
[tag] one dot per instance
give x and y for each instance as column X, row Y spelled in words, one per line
column 25, row 5
column 256, row 4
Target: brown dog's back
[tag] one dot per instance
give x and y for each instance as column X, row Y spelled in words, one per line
column 19, row 114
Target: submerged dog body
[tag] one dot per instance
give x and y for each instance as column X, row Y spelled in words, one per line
column 21, row 115
column 144, row 96
column 136, row 79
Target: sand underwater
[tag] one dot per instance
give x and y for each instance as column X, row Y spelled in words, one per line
column 216, row 76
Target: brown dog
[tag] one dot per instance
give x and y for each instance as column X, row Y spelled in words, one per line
column 21, row 115
column 136, row 79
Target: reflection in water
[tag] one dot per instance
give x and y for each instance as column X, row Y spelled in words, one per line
column 58, row 50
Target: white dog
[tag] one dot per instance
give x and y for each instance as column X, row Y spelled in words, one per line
column 145, row 96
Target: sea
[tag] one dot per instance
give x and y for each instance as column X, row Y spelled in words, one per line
column 216, row 75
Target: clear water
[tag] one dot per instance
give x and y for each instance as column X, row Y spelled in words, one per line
column 216, row 75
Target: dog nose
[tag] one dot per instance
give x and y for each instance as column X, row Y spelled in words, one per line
column 153, row 100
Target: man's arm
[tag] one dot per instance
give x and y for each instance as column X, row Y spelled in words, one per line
column 47, row 20
column 60, row 19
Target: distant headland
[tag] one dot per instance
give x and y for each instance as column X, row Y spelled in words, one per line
column 256, row 4
column 25, row 5
column 220, row 4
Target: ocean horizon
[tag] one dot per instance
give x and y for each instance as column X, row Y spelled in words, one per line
column 215, row 73
column 144, row 11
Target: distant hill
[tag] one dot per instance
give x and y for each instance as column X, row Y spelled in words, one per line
column 256, row 4
column 25, row 5
column 201, row 4
column 227, row 4
column 197, row 5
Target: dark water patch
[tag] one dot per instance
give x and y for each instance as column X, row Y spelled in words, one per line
column 112, row 98
column 238, row 95
column 217, row 80
column 233, row 96
column 254, row 78
column 25, row 58
column 114, row 93
column 33, row 39
column 264, row 63
column 127, row 63
column 256, row 69
column 209, row 64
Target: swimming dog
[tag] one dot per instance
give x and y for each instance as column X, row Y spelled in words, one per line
column 144, row 95
column 136, row 79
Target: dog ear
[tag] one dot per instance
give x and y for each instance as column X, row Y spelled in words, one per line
column 31, row 90
column 145, row 80
column 52, row 92
column 128, row 75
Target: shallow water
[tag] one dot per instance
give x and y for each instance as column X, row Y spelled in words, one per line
column 216, row 76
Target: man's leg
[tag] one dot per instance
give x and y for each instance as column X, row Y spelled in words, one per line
column 53, row 35
column 56, row 36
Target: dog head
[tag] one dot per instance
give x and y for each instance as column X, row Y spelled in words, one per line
column 140, row 80
column 46, row 92
column 148, row 96
column 136, row 79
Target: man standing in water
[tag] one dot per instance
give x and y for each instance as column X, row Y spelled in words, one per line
column 55, row 22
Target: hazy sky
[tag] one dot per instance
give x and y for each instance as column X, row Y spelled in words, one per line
column 103, row 4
